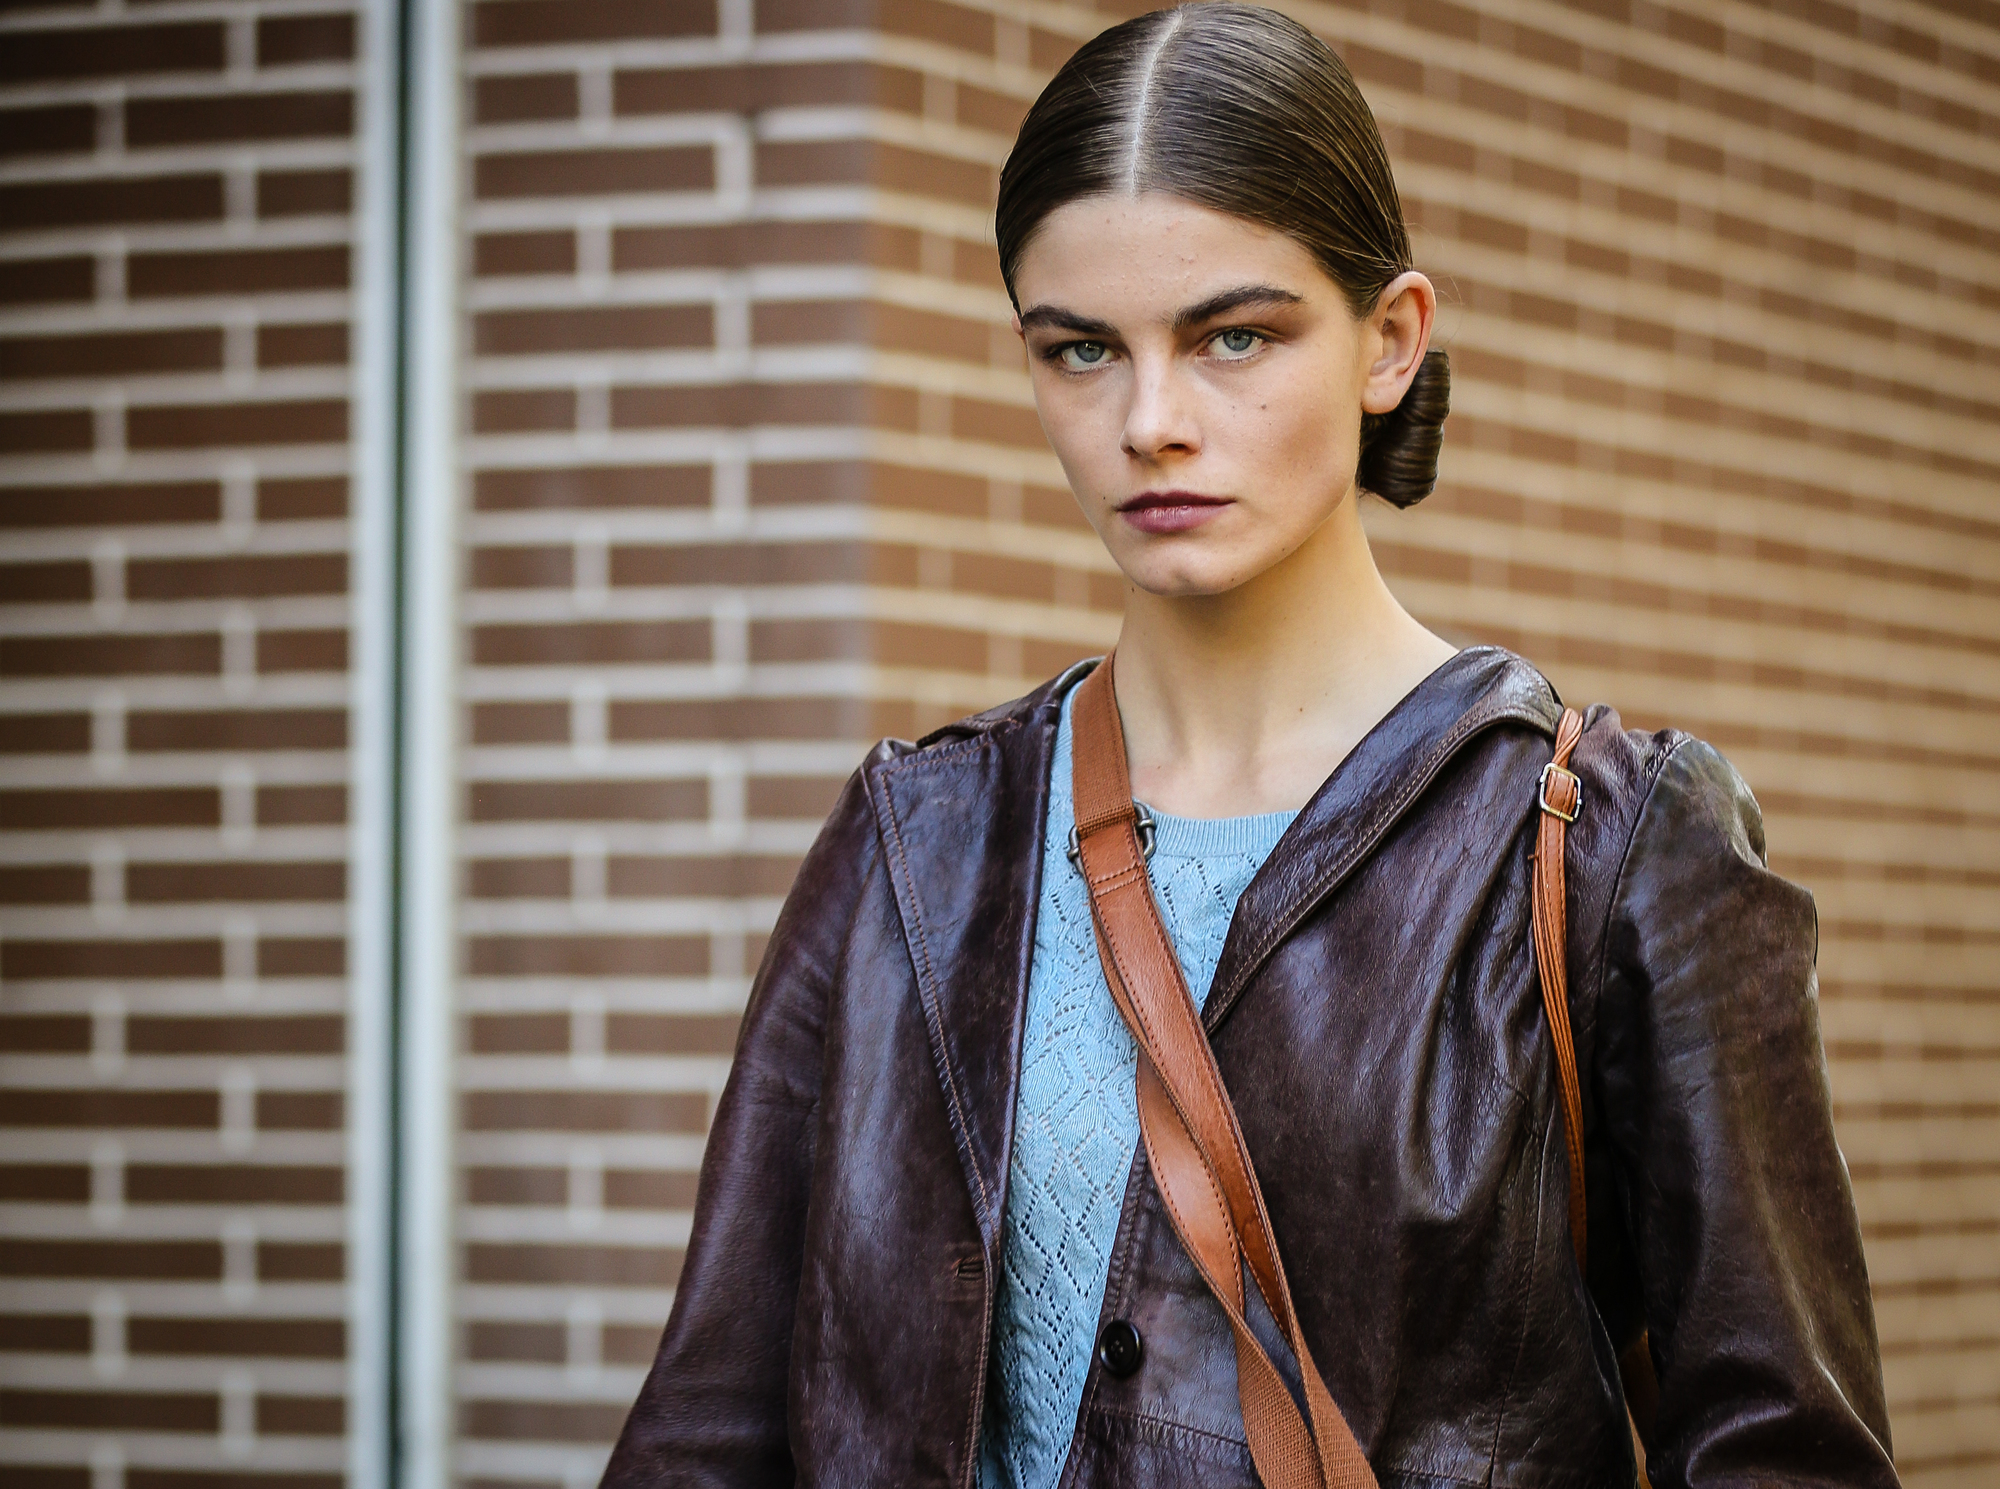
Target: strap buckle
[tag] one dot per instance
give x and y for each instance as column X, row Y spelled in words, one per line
column 1142, row 819
column 1576, row 792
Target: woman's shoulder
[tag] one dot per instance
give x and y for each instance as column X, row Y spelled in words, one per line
column 1668, row 783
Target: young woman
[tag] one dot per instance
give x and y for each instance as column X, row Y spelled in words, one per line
column 930, row 1248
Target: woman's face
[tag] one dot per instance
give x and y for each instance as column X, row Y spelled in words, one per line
column 1202, row 381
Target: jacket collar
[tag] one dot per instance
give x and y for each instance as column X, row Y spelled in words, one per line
column 962, row 818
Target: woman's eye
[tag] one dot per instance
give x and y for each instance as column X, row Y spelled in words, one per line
column 1081, row 356
column 1237, row 342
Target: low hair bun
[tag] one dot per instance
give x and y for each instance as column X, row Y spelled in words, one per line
column 1399, row 449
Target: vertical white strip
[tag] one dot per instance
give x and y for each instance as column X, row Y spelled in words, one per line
column 371, row 761
column 427, row 1290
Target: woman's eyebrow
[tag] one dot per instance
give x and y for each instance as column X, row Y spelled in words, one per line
column 1055, row 318
column 1236, row 299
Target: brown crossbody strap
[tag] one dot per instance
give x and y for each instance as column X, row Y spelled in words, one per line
column 1193, row 1144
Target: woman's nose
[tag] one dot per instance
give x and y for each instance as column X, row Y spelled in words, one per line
column 1162, row 418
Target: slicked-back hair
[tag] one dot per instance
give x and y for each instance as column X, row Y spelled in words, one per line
column 1243, row 110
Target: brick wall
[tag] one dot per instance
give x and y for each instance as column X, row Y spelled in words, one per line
column 751, row 477
column 174, row 308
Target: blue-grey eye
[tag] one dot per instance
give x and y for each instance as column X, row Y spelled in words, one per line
column 1084, row 353
column 1238, row 342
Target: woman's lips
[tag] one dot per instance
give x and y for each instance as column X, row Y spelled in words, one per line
column 1170, row 511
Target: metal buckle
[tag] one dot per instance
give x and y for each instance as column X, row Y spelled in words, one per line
column 1575, row 780
column 1148, row 837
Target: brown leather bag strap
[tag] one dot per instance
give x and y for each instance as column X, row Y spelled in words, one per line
column 1194, row 1145
column 1561, row 798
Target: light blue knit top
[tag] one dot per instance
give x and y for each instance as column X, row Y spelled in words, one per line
column 1076, row 1121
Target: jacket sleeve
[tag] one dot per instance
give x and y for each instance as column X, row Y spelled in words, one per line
column 712, row 1411
column 1736, row 1196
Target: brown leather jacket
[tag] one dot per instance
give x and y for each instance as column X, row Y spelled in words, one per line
column 1376, row 1017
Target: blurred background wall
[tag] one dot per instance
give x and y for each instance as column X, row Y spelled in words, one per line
column 476, row 479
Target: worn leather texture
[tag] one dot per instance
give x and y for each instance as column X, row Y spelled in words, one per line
column 1376, row 1017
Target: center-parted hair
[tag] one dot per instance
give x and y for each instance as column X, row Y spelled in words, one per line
column 1240, row 109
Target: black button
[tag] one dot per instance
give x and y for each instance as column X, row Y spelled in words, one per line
column 1120, row 1348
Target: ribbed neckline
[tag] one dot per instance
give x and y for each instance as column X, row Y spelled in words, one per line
column 1214, row 837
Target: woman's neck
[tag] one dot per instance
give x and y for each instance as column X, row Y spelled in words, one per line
column 1244, row 702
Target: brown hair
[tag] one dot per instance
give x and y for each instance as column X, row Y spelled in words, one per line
column 1241, row 109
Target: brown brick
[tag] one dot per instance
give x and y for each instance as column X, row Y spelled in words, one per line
column 608, row 642
column 592, row 486
column 110, row 354
column 496, row 255
column 232, row 1184
column 300, row 1111
column 648, row 1189
column 809, row 797
column 245, row 271
column 517, row 878
column 61, row 582
column 48, row 281
column 540, row 1343
column 589, row 801
column 261, row 576
column 109, row 656
column 236, row 1034
column 50, row 432
column 122, row 506
column 286, row 39
column 502, row 333
column 301, row 499
column 238, row 116
column 520, row 723
column 281, row 1261
column 703, row 878
column 754, row 89
column 45, row 884
column 44, row 733
column 294, row 1338
column 54, row 809
column 301, row 806
column 601, row 172
column 147, row 731
column 189, row 1261
column 519, row 410
column 54, row 129
column 301, row 956
column 588, row 956
column 584, row 1111
column 46, row 1108
column 303, row 193
column 106, row 201
column 517, row 1186
column 608, row 1266
column 302, row 1416
column 45, row 1183
column 737, row 718
column 195, row 883
column 527, row 23
column 540, row 1421
column 45, row 1333
column 521, row 568
column 111, row 51
column 676, row 1034
column 743, row 405
column 131, row 1411
column 512, row 97
column 302, row 346
column 45, row 1034
column 518, row 1034
column 808, row 640
column 636, row 249
column 204, row 426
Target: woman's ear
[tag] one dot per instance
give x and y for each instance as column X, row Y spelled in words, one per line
column 1398, row 335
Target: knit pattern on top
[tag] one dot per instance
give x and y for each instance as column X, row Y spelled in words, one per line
column 1076, row 1121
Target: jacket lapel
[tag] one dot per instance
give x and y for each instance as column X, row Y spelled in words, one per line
column 1367, row 795
column 962, row 824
